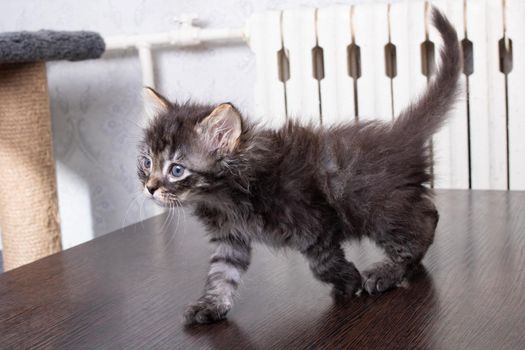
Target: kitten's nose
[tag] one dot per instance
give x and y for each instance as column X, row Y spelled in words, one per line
column 152, row 188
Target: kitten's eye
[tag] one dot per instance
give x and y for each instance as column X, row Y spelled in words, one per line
column 146, row 163
column 177, row 170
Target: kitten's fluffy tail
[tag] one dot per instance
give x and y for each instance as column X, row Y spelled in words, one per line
column 420, row 120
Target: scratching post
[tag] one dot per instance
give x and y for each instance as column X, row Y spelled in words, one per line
column 28, row 196
column 28, row 191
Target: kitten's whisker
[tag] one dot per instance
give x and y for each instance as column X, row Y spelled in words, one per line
column 171, row 234
column 134, row 123
column 166, row 220
column 136, row 196
column 183, row 213
column 140, row 211
column 170, row 218
column 174, row 231
column 179, row 207
column 130, row 141
column 133, row 137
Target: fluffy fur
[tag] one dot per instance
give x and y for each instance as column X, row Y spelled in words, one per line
column 302, row 187
column 49, row 45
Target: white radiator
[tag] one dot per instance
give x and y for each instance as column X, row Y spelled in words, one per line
column 307, row 68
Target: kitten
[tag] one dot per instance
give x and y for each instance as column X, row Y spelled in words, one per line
column 301, row 187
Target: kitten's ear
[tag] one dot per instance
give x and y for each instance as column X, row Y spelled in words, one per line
column 154, row 103
column 221, row 129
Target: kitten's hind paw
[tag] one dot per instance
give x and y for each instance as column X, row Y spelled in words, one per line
column 205, row 311
column 382, row 277
column 351, row 290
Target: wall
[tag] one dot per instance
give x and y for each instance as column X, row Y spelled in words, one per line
column 96, row 105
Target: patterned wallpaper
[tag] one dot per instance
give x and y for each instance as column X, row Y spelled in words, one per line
column 96, row 105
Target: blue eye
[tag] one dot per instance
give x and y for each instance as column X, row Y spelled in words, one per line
column 177, row 170
column 146, row 163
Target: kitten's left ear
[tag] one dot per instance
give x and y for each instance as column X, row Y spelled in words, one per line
column 154, row 103
column 221, row 129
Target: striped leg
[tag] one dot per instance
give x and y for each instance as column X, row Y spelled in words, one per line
column 329, row 265
column 229, row 261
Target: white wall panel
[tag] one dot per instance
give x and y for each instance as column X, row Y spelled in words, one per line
column 373, row 86
column 337, row 86
column 486, row 98
column 302, row 88
column 265, row 41
column 456, row 151
column 496, row 99
column 516, row 31
column 479, row 95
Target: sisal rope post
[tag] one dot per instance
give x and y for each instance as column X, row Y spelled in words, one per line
column 28, row 193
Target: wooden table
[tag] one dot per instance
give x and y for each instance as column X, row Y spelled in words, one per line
column 127, row 290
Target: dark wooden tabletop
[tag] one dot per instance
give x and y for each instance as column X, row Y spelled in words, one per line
column 128, row 289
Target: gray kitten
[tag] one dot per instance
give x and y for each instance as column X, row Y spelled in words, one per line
column 301, row 187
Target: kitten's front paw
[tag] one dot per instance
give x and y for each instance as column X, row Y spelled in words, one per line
column 206, row 310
